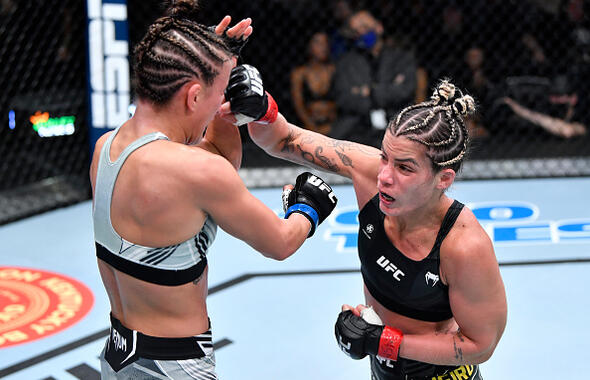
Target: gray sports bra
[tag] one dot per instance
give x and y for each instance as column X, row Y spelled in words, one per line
column 173, row 265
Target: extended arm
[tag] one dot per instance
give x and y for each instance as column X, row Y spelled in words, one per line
column 352, row 160
column 282, row 139
column 222, row 194
column 551, row 124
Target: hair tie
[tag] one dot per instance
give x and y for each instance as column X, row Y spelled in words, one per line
column 443, row 92
column 464, row 105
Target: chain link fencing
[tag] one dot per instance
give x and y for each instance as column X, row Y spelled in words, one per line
column 527, row 63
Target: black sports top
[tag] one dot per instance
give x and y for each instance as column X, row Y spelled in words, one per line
column 405, row 286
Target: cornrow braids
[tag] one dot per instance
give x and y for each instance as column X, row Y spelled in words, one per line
column 439, row 125
column 174, row 51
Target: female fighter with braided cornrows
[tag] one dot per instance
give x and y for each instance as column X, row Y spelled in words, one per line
column 162, row 182
column 436, row 300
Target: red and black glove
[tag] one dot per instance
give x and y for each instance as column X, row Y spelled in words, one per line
column 249, row 102
column 357, row 338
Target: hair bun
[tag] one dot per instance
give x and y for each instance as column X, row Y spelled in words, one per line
column 444, row 92
column 465, row 105
column 182, row 8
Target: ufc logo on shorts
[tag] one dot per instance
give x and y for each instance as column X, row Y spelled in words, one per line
column 108, row 63
column 390, row 267
column 255, row 81
column 317, row 182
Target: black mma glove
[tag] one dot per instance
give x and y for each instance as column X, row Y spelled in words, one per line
column 235, row 45
column 249, row 102
column 357, row 338
column 311, row 197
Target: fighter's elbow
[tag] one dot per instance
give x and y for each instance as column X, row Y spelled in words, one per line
column 484, row 353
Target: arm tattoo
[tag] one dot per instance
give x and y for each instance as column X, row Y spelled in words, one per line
column 287, row 143
column 292, row 148
column 458, row 350
column 346, row 161
column 327, row 162
column 460, row 335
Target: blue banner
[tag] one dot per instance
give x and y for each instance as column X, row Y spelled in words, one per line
column 108, row 66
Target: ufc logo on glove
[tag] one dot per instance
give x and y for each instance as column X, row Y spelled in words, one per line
column 255, row 80
column 319, row 183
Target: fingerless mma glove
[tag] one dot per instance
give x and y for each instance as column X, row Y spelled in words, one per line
column 235, row 45
column 249, row 102
column 357, row 338
column 311, row 197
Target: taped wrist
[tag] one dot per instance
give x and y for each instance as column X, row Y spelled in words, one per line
column 389, row 343
column 308, row 212
column 272, row 111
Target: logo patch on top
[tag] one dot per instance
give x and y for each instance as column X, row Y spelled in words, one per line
column 36, row 303
column 431, row 277
column 368, row 230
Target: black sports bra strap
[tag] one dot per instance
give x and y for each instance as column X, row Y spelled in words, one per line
column 448, row 222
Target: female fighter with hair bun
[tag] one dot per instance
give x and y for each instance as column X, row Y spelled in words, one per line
column 435, row 300
column 162, row 183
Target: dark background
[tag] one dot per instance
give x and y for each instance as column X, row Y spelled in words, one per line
column 43, row 67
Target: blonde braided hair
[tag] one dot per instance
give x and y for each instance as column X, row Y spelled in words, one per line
column 438, row 124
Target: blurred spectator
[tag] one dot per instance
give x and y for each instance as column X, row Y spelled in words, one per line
column 446, row 43
column 474, row 74
column 311, row 86
column 567, row 40
column 372, row 82
column 553, row 105
column 339, row 34
column 556, row 126
column 474, row 78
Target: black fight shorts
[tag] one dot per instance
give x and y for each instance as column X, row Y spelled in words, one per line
column 404, row 369
column 125, row 346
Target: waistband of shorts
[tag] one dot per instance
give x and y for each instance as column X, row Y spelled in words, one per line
column 160, row 348
column 406, row 369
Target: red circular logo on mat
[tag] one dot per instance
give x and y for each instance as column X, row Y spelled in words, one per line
column 35, row 303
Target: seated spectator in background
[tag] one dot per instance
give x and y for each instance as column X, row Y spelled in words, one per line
column 311, row 86
column 553, row 105
column 372, row 82
column 474, row 78
column 339, row 34
column 562, row 127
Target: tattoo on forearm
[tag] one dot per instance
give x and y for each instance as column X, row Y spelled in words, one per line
column 307, row 156
column 298, row 147
column 287, row 143
column 458, row 351
column 327, row 162
column 460, row 335
column 345, row 159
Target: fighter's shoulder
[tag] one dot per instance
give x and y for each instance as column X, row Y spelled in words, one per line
column 198, row 169
column 467, row 238
column 100, row 142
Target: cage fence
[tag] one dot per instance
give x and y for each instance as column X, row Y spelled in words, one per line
column 527, row 64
